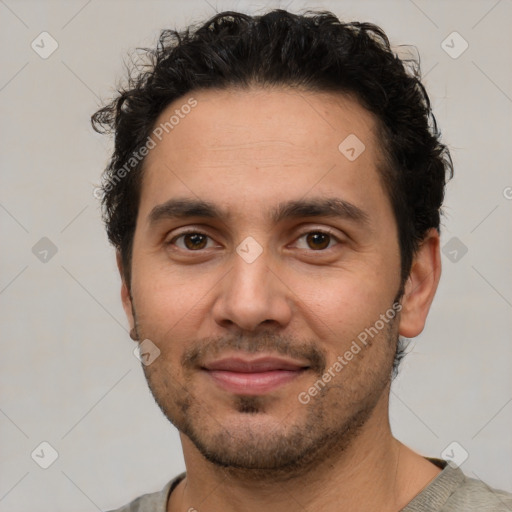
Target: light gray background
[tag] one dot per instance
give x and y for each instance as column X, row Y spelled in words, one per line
column 68, row 374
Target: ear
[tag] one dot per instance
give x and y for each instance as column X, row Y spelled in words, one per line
column 421, row 286
column 125, row 292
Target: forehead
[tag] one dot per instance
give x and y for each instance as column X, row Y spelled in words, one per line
column 237, row 147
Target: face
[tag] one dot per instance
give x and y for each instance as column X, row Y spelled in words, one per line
column 263, row 257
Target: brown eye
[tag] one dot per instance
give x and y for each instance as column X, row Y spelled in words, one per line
column 192, row 241
column 318, row 240
column 195, row 241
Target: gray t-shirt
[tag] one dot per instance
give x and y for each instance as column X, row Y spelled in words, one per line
column 450, row 491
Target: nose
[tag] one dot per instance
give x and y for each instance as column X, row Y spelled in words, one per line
column 252, row 295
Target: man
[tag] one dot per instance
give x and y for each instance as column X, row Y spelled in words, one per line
column 274, row 198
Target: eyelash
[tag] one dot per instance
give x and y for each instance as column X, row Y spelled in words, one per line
column 196, row 232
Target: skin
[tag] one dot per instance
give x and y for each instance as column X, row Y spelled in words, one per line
column 246, row 151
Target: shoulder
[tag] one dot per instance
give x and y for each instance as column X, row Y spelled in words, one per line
column 475, row 495
column 453, row 491
column 152, row 502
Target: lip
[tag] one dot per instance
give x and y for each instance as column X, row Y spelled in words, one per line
column 253, row 376
column 255, row 365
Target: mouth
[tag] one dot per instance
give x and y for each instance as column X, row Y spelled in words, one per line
column 258, row 376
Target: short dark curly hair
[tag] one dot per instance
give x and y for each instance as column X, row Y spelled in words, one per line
column 314, row 51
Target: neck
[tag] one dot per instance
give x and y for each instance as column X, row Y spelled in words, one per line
column 376, row 472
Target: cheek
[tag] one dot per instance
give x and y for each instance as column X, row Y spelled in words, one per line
column 170, row 303
column 348, row 300
column 356, row 323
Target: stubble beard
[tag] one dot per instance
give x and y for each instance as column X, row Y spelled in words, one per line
column 317, row 435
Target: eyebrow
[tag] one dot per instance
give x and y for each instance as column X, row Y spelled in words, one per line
column 331, row 207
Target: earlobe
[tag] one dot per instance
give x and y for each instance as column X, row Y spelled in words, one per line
column 421, row 286
column 125, row 293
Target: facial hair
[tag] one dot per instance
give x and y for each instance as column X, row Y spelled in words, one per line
column 289, row 448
